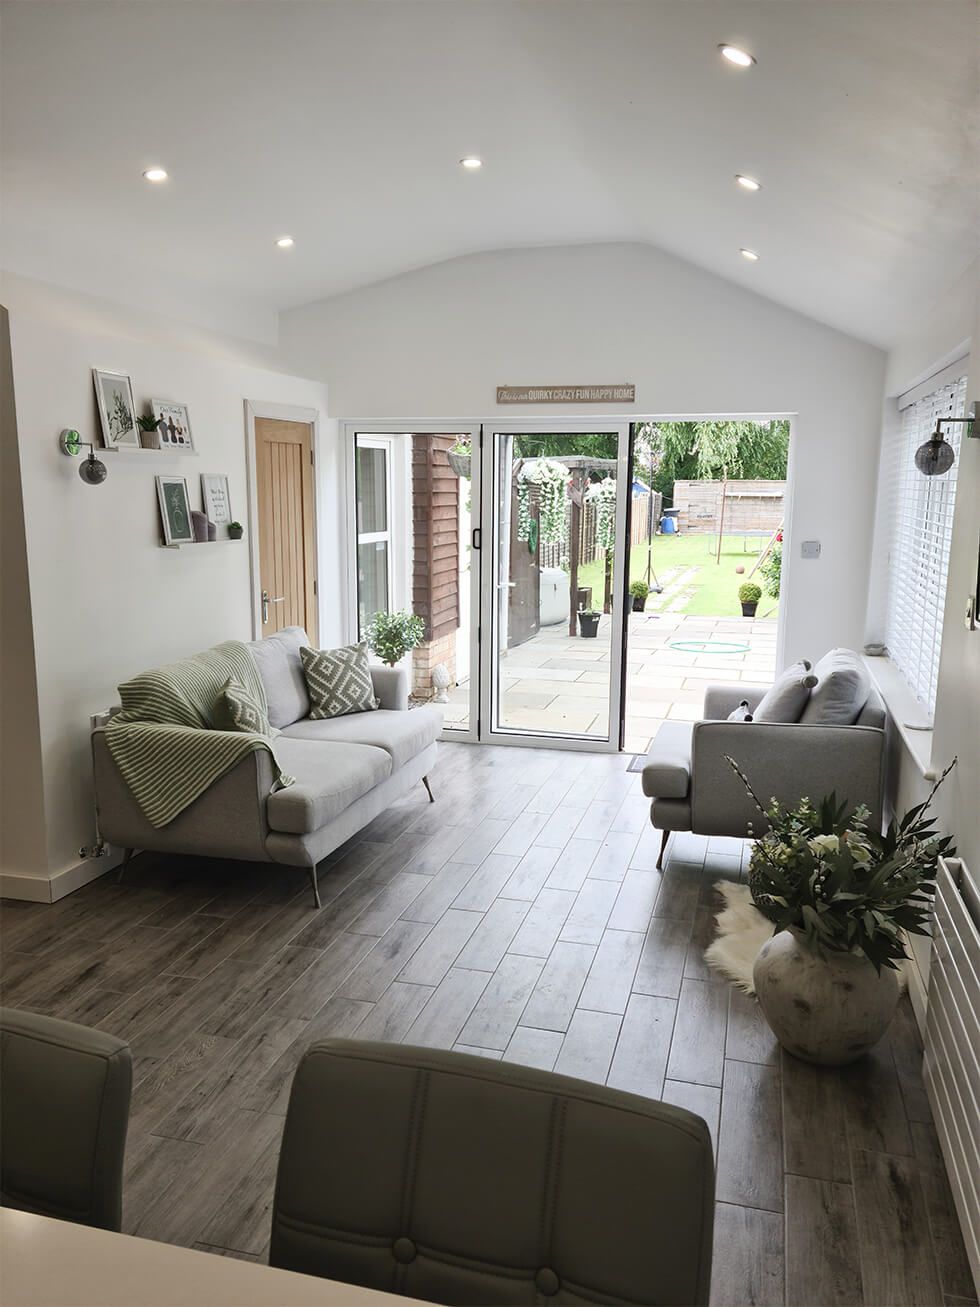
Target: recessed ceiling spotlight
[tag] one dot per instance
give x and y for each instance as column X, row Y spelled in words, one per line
column 285, row 242
column 747, row 183
column 155, row 174
column 471, row 162
column 740, row 58
column 749, row 254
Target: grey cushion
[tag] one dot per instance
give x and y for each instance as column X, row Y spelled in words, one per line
column 401, row 734
column 338, row 681
column 842, row 689
column 667, row 774
column 65, row 1113
column 453, row 1179
column 281, row 669
column 785, row 700
column 329, row 777
column 237, row 709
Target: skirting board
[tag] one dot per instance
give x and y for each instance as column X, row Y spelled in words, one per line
column 49, row 889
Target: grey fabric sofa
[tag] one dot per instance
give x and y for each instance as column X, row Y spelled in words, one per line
column 693, row 787
column 451, row 1178
column 66, row 1092
column 347, row 770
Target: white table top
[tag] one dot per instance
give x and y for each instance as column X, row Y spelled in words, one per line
column 48, row 1263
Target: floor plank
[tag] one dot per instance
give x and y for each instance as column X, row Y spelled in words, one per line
column 697, row 1051
column 897, row 1269
column 640, row 1059
column 822, row 1259
column 750, row 1154
column 556, row 993
column 748, row 1268
column 588, row 1047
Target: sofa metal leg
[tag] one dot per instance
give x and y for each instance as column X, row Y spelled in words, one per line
column 428, row 789
column 316, row 887
column 127, row 855
column 663, row 849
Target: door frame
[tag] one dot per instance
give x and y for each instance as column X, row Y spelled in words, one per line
column 621, row 427
column 349, row 431
column 282, row 413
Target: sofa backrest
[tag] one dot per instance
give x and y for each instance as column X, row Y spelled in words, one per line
column 281, row 669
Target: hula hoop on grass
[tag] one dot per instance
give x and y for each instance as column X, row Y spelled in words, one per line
column 709, row 646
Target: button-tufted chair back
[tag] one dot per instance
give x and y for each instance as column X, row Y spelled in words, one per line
column 457, row 1179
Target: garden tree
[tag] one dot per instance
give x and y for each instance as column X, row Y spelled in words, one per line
column 707, row 451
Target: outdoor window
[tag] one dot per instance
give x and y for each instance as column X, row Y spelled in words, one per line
column 920, row 526
column 373, row 531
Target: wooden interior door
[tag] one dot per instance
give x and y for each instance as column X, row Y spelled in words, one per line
column 287, row 532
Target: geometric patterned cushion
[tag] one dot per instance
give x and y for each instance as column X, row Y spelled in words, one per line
column 238, row 710
column 339, row 681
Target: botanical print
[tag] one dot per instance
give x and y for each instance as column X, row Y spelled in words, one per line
column 114, row 394
column 175, row 510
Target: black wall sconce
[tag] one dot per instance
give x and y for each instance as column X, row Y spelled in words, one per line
column 93, row 471
column 936, row 455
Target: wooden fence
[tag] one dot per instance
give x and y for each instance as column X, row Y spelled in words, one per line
column 751, row 507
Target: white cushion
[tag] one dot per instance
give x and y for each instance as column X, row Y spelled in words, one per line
column 329, row 778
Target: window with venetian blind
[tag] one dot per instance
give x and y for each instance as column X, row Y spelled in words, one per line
column 921, row 524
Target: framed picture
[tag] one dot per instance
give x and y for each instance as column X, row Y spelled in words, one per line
column 215, row 498
column 173, row 424
column 175, row 511
column 117, row 410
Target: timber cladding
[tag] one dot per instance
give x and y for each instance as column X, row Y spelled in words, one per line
column 435, row 515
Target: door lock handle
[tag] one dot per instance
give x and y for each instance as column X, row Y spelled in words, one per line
column 266, row 601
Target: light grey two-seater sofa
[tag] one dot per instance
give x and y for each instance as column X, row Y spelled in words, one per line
column 347, row 771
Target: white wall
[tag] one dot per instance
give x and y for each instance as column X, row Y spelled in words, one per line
column 436, row 343
column 108, row 602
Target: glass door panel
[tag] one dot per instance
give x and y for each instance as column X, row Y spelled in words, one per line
column 553, row 599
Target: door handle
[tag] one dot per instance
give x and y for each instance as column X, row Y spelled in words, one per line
column 477, row 539
column 266, row 601
column 506, row 585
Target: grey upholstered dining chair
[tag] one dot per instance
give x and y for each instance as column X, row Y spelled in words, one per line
column 457, row 1179
column 64, row 1110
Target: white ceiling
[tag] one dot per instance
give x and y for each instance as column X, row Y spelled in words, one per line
column 599, row 120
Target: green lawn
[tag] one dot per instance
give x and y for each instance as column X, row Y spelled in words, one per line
column 714, row 585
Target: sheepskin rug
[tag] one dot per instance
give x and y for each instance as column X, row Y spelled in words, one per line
column 742, row 931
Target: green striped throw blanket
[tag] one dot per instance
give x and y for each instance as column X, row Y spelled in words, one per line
column 163, row 741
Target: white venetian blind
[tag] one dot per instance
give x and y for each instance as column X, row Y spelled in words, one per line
column 921, row 524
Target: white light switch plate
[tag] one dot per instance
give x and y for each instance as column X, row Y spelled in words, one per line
column 810, row 549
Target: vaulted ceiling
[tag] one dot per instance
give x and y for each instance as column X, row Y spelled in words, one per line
column 342, row 124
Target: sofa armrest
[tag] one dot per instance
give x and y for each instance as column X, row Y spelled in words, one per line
column 786, row 762
column 391, row 686
column 720, row 700
column 227, row 821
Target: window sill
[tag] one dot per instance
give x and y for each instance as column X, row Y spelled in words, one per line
column 905, row 712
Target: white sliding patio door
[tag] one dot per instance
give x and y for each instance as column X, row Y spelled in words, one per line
column 550, row 633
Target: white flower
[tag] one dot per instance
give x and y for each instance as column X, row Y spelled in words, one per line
column 824, row 844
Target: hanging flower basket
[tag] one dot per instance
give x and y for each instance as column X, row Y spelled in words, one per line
column 460, row 463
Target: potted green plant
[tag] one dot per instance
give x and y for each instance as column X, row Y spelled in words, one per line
column 638, row 593
column 392, row 635
column 841, row 897
column 749, row 595
column 459, row 456
column 149, row 431
column 235, row 530
column 588, row 623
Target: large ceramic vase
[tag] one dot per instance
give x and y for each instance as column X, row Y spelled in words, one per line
column 823, row 1006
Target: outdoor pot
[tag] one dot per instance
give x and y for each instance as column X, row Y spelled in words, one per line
column 822, row 1005
column 748, row 610
column 588, row 625
column 638, row 604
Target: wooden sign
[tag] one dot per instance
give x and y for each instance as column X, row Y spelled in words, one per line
column 625, row 394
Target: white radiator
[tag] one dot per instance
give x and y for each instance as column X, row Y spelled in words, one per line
column 952, row 1042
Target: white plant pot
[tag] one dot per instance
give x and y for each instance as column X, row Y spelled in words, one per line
column 823, row 1006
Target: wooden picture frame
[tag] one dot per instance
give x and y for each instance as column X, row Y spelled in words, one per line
column 175, row 510
column 117, row 409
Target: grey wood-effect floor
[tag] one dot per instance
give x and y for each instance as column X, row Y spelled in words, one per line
column 522, row 917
